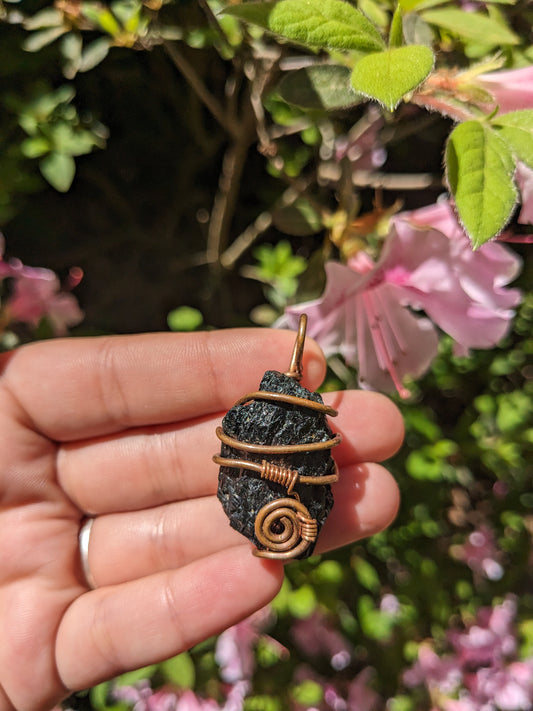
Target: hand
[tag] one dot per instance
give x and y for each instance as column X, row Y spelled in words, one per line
column 123, row 428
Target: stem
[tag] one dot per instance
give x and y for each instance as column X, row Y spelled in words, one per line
column 214, row 23
column 228, row 192
column 185, row 67
column 261, row 224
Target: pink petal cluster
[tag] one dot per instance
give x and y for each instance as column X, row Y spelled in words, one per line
column 234, row 651
column 141, row 697
column 315, row 636
column 481, row 674
column 36, row 293
column 481, row 554
column 366, row 311
column 511, row 89
column 524, row 179
column 354, row 695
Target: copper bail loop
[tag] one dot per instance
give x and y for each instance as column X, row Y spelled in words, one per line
column 296, row 369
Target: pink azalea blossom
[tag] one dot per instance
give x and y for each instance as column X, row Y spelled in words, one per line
column 389, row 604
column 524, row 179
column 481, row 554
column 365, row 313
column 508, row 689
column 435, row 672
column 490, row 641
column 463, row 703
column 236, row 695
column 360, row 695
column 142, row 698
column 234, row 649
column 189, row 701
column 37, row 293
column 315, row 636
column 511, row 89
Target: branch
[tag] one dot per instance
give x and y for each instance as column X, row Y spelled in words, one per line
column 198, row 86
column 331, row 172
column 260, row 225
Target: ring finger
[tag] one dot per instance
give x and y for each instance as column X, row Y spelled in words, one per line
column 127, row 546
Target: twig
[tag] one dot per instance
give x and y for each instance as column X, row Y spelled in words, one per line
column 331, row 172
column 228, row 190
column 214, row 23
column 209, row 101
column 260, row 225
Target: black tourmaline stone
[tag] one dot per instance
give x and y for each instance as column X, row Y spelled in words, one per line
column 242, row 492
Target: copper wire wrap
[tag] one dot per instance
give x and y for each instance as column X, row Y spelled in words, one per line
column 297, row 529
column 283, row 526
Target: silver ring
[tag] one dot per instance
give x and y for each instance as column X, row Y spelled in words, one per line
column 83, row 540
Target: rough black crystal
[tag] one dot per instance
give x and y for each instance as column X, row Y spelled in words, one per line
column 242, row 492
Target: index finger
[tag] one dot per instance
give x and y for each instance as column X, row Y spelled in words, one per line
column 83, row 387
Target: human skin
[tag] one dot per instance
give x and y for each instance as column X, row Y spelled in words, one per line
column 123, row 428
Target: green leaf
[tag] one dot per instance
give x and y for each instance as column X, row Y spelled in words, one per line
column 185, row 318
column 516, row 129
column 307, row 693
column 38, row 40
column 59, row 170
column 366, row 574
column 332, row 24
column 99, row 695
column 416, row 31
column 471, row 26
column 104, row 18
column 322, row 86
column 48, row 17
column 479, row 169
column 387, row 76
column 299, row 219
column 35, row 147
column 94, row 53
column 179, row 670
column 396, row 29
column 302, row 601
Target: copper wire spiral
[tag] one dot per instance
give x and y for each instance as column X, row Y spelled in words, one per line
column 297, row 529
column 283, row 526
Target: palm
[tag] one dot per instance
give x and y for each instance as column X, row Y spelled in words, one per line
column 123, row 429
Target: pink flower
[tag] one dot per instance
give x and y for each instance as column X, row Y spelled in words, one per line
column 36, row 293
column 491, row 640
column 234, row 648
column 524, row 179
column 142, row 698
column 189, row 701
column 236, row 696
column 435, row 672
column 389, row 604
column 360, row 695
column 427, row 263
column 508, row 689
column 512, row 89
column 463, row 703
column 481, row 554
column 315, row 635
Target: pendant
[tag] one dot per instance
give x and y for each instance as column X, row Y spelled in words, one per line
column 276, row 467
